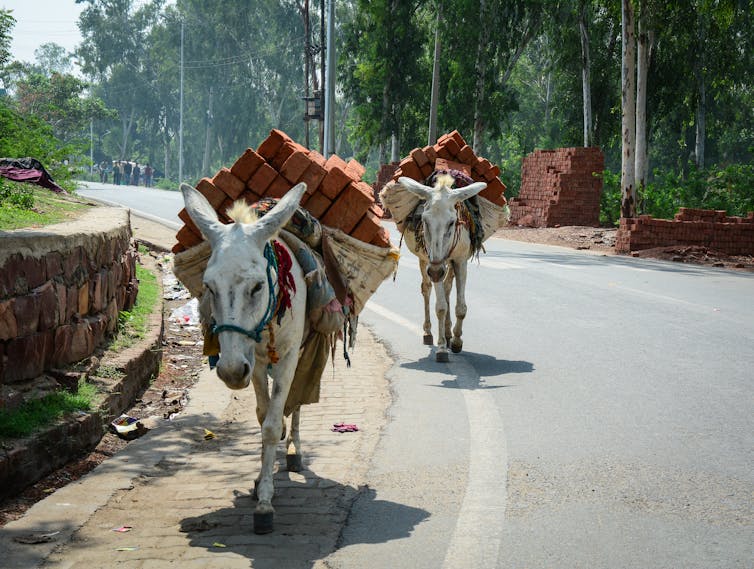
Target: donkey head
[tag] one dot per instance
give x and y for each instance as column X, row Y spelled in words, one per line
column 237, row 279
column 439, row 218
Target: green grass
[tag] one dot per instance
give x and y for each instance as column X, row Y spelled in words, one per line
column 28, row 205
column 133, row 324
column 39, row 413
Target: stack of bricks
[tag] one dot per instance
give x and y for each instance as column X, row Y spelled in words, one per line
column 452, row 151
column 690, row 227
column 559, row 187
column 335, row 193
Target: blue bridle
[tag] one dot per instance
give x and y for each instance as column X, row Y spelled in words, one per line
column 256, row 333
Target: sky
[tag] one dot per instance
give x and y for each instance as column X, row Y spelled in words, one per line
column 42, row 21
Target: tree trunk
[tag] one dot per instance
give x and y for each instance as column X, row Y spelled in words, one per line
column 701, row 94
column 628, row 105
column 395, row 155
column 585, row 78
column 432, row 136
column 643, row 59
column 480, row 69
column 207, row 137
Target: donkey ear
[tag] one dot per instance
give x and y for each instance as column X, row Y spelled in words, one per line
column 202, row 213
column 274, row 220
column 424, row 192
column 460, row 194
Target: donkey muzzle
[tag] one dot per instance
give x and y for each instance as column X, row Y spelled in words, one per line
column 436, row 271
column 236, row 372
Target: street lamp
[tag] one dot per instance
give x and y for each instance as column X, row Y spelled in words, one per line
column 313, row 107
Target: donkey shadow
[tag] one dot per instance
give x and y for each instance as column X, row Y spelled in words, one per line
column 310, row 513
column 485, row 366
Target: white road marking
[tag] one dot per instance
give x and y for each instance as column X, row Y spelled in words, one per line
column 477, row 535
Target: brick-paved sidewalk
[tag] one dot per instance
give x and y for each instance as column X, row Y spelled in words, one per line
column 188, row 500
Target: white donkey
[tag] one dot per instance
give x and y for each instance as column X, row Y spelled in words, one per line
column 444, row 250
column 243, row 284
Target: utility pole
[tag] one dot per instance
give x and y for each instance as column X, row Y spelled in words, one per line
column 322, row 75
column 330, row 82
column 180, row 123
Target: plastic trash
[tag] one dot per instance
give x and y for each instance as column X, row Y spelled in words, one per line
column 187, row 314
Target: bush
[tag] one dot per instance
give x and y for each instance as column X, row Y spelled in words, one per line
column 17, row 195
column 730, row 188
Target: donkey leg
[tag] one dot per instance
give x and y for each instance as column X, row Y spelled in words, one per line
column 441, row 310
column 293, row 459
column 456, row 343
column 447, row 289
column 272, row 427
column 259, row 381
column 426, row 288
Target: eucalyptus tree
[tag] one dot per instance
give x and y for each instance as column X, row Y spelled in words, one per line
column 484, row 40
column 113, row 54
column 7, row 21
column 383, row 70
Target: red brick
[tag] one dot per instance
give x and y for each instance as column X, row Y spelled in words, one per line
column 426, row 170
column 295, row 166
column 492, row 173
column 222, row 212
column 452, row 147
column 317, row 204
column 177, row 248
column 286, row 151
column 367, row 227
column 313, row 177
column 214, row 195
column 272, row 144
column 466, row 155
column 419, row 157
column 317, row 157
column 377, row 210
column 356, row 168
column 246, row 165
column 184, row 216
column 442, row 152
column 382, row 239
column 349, row 207
column 430, row 153
column 262, row 179
column 410, row 170
column 455, row 135
column 228, row 183
column 250, row 197
column 495, row 188
column 278, row 188
column 334, row 181
column 188, row 238
column 335, row 161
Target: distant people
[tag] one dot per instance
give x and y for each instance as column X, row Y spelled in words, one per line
column 148, row 173
column 117, row 172
column 127, row 168
column 104, row 168
column 135, row 174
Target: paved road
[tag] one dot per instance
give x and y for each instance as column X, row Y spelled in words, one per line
column 158, row 205
column 600, row 416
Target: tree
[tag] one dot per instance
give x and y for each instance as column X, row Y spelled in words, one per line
column 7, row 21
column 628, row 111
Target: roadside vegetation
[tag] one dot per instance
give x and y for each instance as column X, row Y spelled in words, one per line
column 27, row 205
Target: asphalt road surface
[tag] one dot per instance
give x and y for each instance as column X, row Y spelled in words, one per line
column 600, row 415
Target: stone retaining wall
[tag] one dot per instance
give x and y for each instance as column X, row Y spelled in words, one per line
column 558, row 187
column 61, row 290
column 705, row 228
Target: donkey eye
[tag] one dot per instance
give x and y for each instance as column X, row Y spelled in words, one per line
column 256, row 289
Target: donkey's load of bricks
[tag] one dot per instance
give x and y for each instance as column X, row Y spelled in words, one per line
column 453, row 156
column 337, row 202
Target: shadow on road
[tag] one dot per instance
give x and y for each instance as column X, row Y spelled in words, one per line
column 484, row 365
column 306, row 528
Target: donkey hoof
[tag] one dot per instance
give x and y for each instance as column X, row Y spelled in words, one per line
column 456, row 346
column 263, row 522
column 428, row 340
column 442, row 357
column 294, row 462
